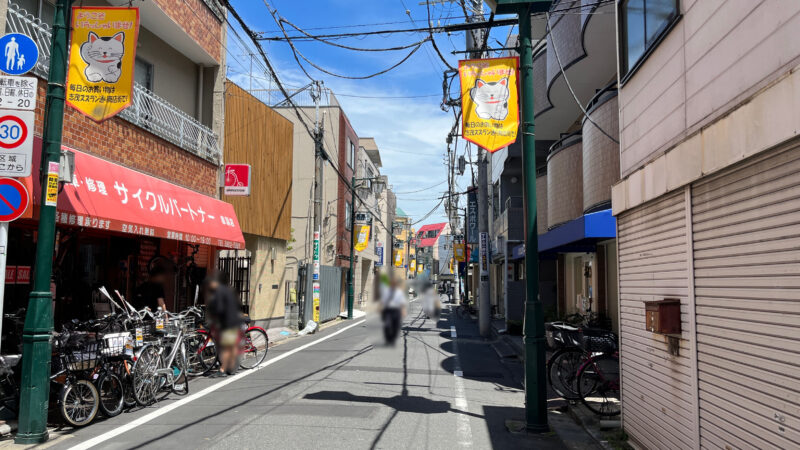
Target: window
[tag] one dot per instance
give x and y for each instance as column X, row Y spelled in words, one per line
column 348, row 214
column 351, row 152
column 143, row 73
column 43, row 9
column 643, row 23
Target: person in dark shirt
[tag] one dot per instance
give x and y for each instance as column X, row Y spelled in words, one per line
column 151, row 292
column 224, row 314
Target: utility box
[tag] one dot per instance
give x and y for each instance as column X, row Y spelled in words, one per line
column 663, row 316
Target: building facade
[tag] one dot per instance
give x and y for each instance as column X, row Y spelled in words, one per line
column 133, row 161
column 707, row 216
column 258, row 136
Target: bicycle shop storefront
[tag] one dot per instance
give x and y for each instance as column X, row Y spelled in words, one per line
column 114, row 224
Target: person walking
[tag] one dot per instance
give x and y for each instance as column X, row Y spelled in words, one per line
column 225, row 317
column 11, row 52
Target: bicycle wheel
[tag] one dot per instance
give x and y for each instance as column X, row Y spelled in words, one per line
column 128, row 398
column 253, row 348
column 201, row 354
column 180, row 381
column 78, row 403
column 112, row 394
column 562, row 370
column 598, row 385
column 146, row 381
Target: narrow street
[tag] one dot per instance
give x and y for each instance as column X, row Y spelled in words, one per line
column 441, row 386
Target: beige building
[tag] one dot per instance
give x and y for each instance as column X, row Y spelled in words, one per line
column 368, row 211
column 709, row 110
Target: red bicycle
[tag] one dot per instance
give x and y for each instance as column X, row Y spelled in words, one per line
column 253, row 346
column 598, row 384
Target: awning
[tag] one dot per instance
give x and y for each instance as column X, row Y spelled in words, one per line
column 108, row 196
column 580, row 234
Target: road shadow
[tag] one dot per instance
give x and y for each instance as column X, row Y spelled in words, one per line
column 497, row 419
column 401, row 403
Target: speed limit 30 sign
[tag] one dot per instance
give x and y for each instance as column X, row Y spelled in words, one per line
column 16, row 142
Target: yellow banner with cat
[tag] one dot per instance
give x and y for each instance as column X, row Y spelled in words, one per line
column 363, row 238
column 101, row 60
column 489, row 101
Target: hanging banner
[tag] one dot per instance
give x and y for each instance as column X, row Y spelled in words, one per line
column 363, row 238
column 483, row 248
column 489, row 101
column 472, row 216
column 459, row 252
column 101, row 60
column 398, row 258
column 420, row 268
column 379, row 254
column 412, row 266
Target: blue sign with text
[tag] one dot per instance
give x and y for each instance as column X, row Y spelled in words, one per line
column 20, row 53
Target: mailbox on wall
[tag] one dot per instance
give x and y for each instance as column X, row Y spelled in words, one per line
column 663, row 316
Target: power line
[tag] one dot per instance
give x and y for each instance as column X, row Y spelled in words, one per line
column 420, row 190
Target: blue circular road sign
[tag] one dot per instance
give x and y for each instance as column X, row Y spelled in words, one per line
column 13, row 199
column 19, row 53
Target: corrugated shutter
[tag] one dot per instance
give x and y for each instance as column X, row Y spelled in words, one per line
column 746, row 224
column 657, row 393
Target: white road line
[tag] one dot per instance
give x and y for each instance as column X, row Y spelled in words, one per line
column 172, row 406
column 463, row 428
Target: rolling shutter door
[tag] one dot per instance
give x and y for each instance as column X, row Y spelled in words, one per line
column 746, row 228
column 657, row 393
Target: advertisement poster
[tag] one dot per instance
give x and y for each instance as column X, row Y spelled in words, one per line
column 101, row 60
column 489, row 101
column 363, row 238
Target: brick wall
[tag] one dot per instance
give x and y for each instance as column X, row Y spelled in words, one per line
column 198, row 21
column 122, row 142
column 343, row 243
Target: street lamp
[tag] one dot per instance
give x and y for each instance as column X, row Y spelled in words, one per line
column 376, row 185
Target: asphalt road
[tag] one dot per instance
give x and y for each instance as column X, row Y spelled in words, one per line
column 440, row 387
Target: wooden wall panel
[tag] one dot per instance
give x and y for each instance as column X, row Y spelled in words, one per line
column 259, row 136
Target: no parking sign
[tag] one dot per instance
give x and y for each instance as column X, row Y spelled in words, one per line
column 16, row 142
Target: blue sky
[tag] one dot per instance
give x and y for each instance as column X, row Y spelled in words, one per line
column 410, row 132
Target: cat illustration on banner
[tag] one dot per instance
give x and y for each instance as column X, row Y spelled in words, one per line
column 103, row 56
column 491, row 98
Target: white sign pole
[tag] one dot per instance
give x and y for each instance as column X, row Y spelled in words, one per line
column 3, row 253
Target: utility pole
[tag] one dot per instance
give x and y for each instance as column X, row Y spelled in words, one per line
column 316, row 93
column 35, row 388
column 535, row 380
column 350, row 274
column 484, row 303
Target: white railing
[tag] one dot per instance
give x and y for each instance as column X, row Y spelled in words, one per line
column 148, row 110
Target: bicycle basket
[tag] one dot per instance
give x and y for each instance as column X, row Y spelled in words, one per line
column 82, row 356
column 560, row 334
column 114, row 343
column 599, row 341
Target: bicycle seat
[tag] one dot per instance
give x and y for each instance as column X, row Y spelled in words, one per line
column 10, row 360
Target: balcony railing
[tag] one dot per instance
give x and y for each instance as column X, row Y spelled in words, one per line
column 148, row 110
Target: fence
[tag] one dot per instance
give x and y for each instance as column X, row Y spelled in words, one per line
column 148, row 110
column 330, row 293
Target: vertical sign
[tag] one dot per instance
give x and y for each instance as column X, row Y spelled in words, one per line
column 316, row 256
column 315, row 285
column 52, row 184
column 315, row 297
column 472, row 216
column 363, row 238
column 484, row 254
column 379, row 254
column 101, row 59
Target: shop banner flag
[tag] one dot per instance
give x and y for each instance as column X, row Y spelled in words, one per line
column 413, row 265
column 398, row 258
column 420, row 268
column 489, row 101
column 363, row 238
column 101, row 60
column 460, row 254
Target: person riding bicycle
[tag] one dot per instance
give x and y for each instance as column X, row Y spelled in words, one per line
column 225, row 316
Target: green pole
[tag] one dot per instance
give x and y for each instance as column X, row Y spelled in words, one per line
column 39, row 317
column 350, row 292
column 535, row 381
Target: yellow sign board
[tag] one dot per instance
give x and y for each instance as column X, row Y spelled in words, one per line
column 412, row 266
column 363, row 238
column 420, row 268
column 489, row 101
column 101, row 60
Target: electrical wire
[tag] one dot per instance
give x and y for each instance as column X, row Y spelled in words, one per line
column 421, row 190
column 347, row 47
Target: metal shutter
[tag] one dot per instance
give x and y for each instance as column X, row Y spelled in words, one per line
column 657, row 392
column 746, row 225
